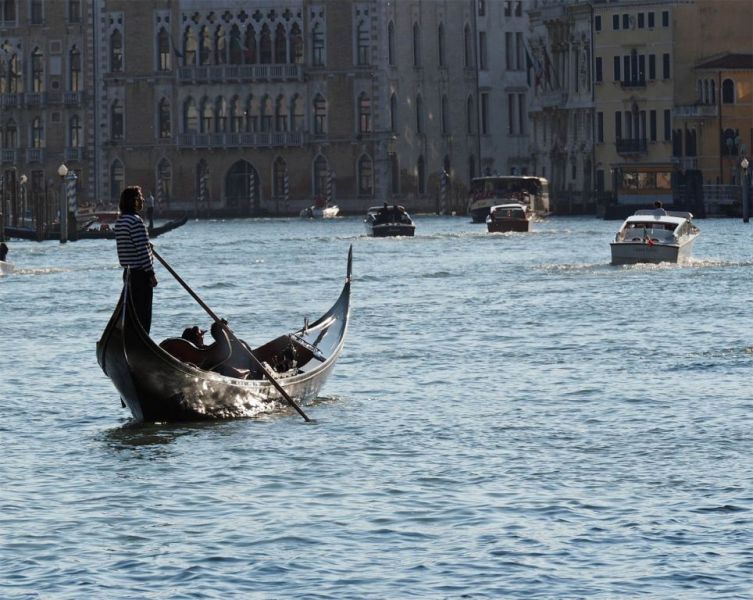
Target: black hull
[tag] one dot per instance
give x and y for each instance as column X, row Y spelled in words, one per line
column 478, row 215
column 505, row 226
column 391, row 230
column 158, row 387
column 24, row 233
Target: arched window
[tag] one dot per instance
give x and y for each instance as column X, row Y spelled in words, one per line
column 116, row 120
column 9, row 8
column 253, row 111
column 391, row 44
column 317, row 45
column 189, row 47
column 364, row 113
column 190, row 117
column 205, row 46
column 75, row 140
column 421, row 175
column 728, row 91
column 116, row 51
column 74, row 70
column 236, row 46
column 207, row 116
column 164, row 60
column 117, row 180
column 677, row 142
column 10, row 137
column 362, row 44
column 296, row 45
column 280, row 178
column 164, row 187
column 393, row 113
column 236, row 116
column 470, row 114
column 220, row 109
column 296, row 113
column 467, row 47
column 445, row 115
column 365, row 176
column 690, row 142
column 163, row 119
column 14, row 75
column 220, row 46
column 713, row 92
column 249, row 50
column 281, row 114
column 37, row 133
column 37, row 70
column 416, row 45
column 265, row 46
column 320, row 115
column 440, row 45
column 419, row 114
column 267, row 112
column 471, row 167
column 281, row 44
column 321, row 174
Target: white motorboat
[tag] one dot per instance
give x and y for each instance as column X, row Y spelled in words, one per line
column 508, row 217
column 329, row 211
column 6, row 267
column 654, row 236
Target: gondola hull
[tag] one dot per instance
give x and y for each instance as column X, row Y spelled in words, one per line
column 158, row 387
column 24, row 233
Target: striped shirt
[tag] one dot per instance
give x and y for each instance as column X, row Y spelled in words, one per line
column 132, row 238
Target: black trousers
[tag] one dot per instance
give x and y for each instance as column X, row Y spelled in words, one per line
column 141, row 294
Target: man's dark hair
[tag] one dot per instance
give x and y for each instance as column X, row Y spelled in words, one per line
column 128, row 198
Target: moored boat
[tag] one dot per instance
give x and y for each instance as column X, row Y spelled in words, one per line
column 508, row 217
column 330, row 211
column 654, row 236
column 492, row 190
column 91, row 230
column 389, row 221
column 157, row 386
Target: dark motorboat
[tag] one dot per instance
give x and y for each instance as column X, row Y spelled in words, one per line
column 91, row 230
column 388, row 221
column 157, row 386
column 508, row 217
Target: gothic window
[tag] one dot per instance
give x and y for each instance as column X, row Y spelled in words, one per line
column 236, row 115
column 296, row 113
column 365, row 176
column 728, row 91
column 205, row 46
column 236, row 46
column 320, row 115
column 37, row 71
column 163, row 116
column 190, row 117
column 220, row 108
column 249, row 50
column 116, row 120
column 37, row 133
column 267, row 112
column 281, row 43
column 364, row 113
column 252, row 114
column 74, row 69
column 74, row 11
column 163, row 50
column 362, row 44
column 296, row 45
column 265, row 46
column 9, row 7
column 281, row 114
column 317, row 45
column 207, row 116
column 14, row 75
column 391, row 44
column 75, row 139
column 36, row 12
column 220, row 47
column 116, row 51
column 189, row 47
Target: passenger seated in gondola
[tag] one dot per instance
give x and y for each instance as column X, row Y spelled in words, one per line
column 190, row 348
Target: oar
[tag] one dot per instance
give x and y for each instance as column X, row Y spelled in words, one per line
column 211, row 313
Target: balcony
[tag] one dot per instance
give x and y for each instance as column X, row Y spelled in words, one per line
column 227, row 73
column 74, row 98
column 698, row 111
column 35, row 155
column 8, row 157
column 633, row 83
column 75, row 153
column 11, row 100
column 240, row 140
column 35, row 99
column 634, row 146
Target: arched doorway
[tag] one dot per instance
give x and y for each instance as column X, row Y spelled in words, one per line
column 242, row 189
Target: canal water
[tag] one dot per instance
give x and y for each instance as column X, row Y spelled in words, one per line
column 511, row 417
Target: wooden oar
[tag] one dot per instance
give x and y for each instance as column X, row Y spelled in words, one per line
column 211, row 313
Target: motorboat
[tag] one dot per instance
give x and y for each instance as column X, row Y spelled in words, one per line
column 157, row 386
column 654, row 236
column 508, row 217
column 388, row 221
column 320, row 211
column 6, row 267
column 492, row 190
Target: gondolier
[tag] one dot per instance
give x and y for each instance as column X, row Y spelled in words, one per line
column 135, row 253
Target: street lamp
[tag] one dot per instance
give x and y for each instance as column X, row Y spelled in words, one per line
column 63, row 171
column 744, row 163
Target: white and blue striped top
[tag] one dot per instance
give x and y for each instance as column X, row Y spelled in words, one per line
column 132, row 238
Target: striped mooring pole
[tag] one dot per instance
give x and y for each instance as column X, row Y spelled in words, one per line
column 442, row 192
column 330, row 179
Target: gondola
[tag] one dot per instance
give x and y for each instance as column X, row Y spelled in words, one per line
column 25, row 233
column 157, row 387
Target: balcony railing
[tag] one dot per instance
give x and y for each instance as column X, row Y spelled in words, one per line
column 8, row 156
column 222, row 73
column 11, row 100
column 35, row 155
column 35, row 99
column 240, row 140
column 633, row 83
column 74, row 98
column 634, row 146
column 75, row 153
column 695, row 110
